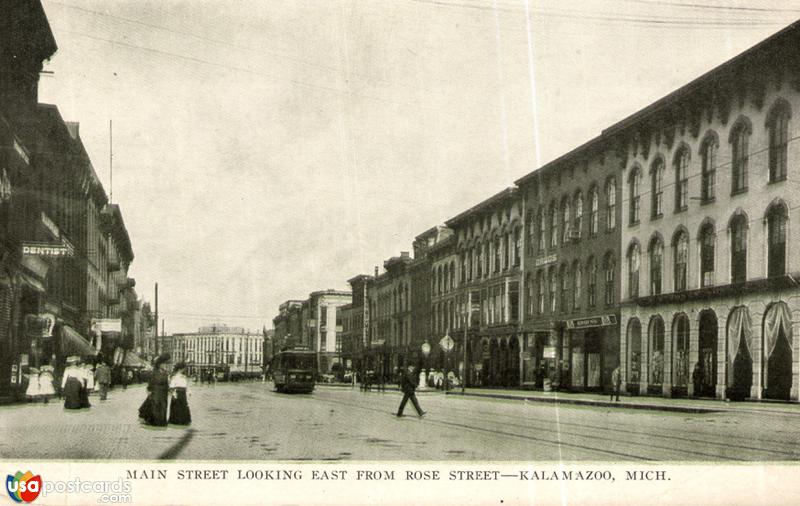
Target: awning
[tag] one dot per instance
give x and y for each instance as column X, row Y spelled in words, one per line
column 72, row 343
column 32, row 282
column 133, row 360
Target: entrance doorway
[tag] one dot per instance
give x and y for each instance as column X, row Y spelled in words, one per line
column 742, row 373
column 705, row 383
column 779, row 370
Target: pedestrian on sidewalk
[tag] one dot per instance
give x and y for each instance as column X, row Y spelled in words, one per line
column 179, row 413
column 46, row 387
column 616, row 381
column 697, row 379
column 154, row 408
column 32, row 392
column 72, row 384
column 102, row 377
column 408, row 384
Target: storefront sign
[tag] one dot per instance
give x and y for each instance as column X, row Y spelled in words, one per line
column 447, row 343
column 107, row 325
column 46, row 250
column 549, row 259
column 594, row 321
column 549, row 352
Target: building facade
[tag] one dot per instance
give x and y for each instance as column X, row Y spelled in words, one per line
column 231, row 352
column 710, row 292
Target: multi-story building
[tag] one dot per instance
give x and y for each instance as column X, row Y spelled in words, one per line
column 325, row 326
column 571, row 281
column 710, row 291
column 232, row 351
column 355, row 324
column 288, row 326
column 486, row 278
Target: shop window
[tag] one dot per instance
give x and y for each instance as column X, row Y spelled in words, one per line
column 657, row 352
column 634, row 341
column 776, row 224
column 680, row 370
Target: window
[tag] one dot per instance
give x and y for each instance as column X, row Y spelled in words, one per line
column 577, row 274
column 517, row 247
column 611, row 204
column 707, row 239
column 542, row 229
column 739, row 249
column 566, row 221
column 591, row 282
column 565, row 298
column 497, row 254
column 578, row 221
column 593, row 217
column 531, row 231
column 553, row 225
column 452, row 279
column 657, row 180
column 778, row 140
column 610, row 267
column 656, row 265
column 657, row 353
column 681, row 360
column 478, row 261
column 506, row 259
column 463, row 265
column 553, row 284
column 540, row 282
column 681, row 260
column 634, row 254
column 739, row 140
column 682, row 181
column 530, row 293
column 776, row 224
column 708, row 170
column 633, row 184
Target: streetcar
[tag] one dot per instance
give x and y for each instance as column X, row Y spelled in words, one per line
column 294, row 370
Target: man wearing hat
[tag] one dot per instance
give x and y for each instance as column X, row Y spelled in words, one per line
column 102, row 377
column 154, row 408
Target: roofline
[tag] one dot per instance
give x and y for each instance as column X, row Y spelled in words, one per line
column 585, row 147
column 483, row 205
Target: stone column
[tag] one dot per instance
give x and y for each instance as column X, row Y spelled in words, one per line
column 644, row 357
column 722, row 355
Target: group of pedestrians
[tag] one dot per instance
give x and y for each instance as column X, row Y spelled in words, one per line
column 167, row 397
column 40, row 384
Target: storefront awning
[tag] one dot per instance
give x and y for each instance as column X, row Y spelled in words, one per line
column 133, row 360
column 32, row 282
column 72, row 343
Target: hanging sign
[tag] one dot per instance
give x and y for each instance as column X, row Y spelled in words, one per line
column 447, row 343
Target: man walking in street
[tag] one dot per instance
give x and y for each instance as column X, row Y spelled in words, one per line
column 615, row 383
column 102, row 376
column 408, row 383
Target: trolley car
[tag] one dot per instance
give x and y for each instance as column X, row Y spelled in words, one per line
column 294, row 370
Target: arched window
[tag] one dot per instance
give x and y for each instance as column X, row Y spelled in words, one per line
column 565, row 298
column 682, row 180
column 681, row 260
column 657, row 188
column 553, row 285
column 633, row 185
column 497, row 254
column 634, row 255
column 739, row 249
column 505, row 260
column 553, row 225
column 594, row 212
column 542, row 229
column 452, row 275
column 463, row 264
column 707, row 246
column 446, row 284
column 517, row 247
column 610, row 272
column 739, row 157
column 530, row 294
column 680, row 336
column 531, row 231
column 540, row 283
column 566, row 220
column 778, row 126
column 656, row 265
column 479, row 261
column 591, row 282
column 611, row 204
column 708, row 169
column 634, row 350
column 578, row 222
column 656, row 351
column 776, row 225
column 577, row 275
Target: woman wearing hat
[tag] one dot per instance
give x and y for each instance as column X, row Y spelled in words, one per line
column 179, row 413
column 46, row 388
column 154, row 408
column 73, row 384
column 32, row 392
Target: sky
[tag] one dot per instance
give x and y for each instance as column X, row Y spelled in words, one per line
column 263, row 150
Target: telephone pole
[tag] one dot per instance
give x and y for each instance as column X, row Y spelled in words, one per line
column 155, row 320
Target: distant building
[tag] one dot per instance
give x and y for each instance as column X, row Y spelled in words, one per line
column 232, row 351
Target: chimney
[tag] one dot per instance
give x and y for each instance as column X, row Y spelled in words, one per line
column 376, row 271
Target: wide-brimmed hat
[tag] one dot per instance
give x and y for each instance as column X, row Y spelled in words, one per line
column 46, row 368
column 33, row 370
column 163, row 358
column 73, row 359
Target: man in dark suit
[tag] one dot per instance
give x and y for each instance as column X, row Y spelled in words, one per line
column 408, row 384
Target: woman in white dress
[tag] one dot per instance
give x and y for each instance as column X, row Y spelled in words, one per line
column 32, row 392
column 46, row 388
column 179, row 413
column 89, row 371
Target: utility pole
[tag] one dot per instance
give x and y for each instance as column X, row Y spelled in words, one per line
column 155, row 330
column 110, row 163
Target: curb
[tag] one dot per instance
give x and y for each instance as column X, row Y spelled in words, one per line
column 585, row 402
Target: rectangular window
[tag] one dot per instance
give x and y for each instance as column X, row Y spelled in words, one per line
column 611, row 206
column 540, row 283
column 682, row 182
column 610, row 283
column 709, row 171
column 592, row 285
column 658, row 191
column 740, row 161
column 778, row 142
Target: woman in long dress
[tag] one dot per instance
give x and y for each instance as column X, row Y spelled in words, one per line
column 33, row 391
column 72, row 384
column 154, row 408
column 179, row 413
column 46, row 388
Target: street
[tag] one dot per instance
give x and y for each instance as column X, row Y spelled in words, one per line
column 248, row 421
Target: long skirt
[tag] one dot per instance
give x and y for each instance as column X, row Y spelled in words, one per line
column 179, row 413
column 72, row 393
column 85, row 397
column 154, row 408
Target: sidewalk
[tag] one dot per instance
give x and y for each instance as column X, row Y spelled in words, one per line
column 681, row 405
